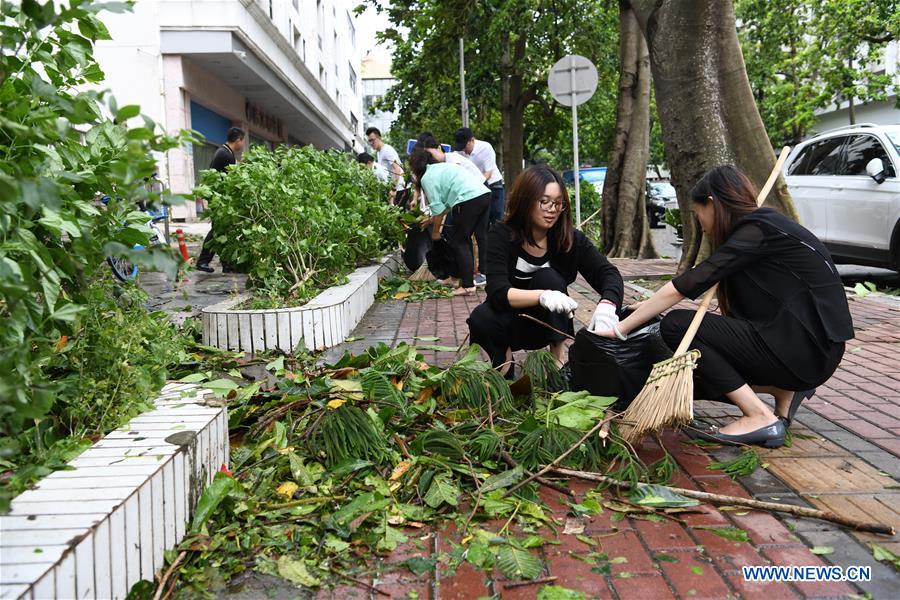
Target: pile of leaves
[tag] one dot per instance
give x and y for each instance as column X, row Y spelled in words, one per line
column 401, row 288
column 335, row 464
column 298, row 220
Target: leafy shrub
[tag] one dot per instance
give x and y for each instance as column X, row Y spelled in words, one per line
column 298, row 219
column 591, row 200
column 107, row 371
column 57, row 153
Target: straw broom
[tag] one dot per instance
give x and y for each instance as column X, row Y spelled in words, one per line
column 667, row 398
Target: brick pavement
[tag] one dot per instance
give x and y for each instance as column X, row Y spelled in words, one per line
column 845, row 460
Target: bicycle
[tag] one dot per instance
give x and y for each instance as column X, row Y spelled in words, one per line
column 122, row 268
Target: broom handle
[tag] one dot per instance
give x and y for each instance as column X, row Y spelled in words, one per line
column 704, row 305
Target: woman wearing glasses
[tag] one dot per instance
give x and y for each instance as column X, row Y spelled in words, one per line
column 452, row 189
column 533, row 255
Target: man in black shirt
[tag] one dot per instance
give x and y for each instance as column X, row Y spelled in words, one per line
column 224, row 156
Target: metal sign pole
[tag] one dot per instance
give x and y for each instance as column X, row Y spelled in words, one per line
column 462, row 85
column 575, row 143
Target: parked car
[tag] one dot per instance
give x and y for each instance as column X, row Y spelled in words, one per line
column 658, row 193
column 845, row 186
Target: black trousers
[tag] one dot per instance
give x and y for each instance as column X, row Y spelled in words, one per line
column 498, row 330
column 206, row 255
column 467, row 219
column 732, row 353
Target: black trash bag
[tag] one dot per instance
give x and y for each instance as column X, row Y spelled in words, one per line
column 442, row 260
column 608, row 367
column 418, row 243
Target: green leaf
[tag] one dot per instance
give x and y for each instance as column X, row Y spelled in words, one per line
column 502, row 480
column 221, row 387
column 420, row 565
column 276, row 365
column 697, row 570
column 67, row 312
column 881, row 553
column 295, row 571
column 729, row 533
column 442, row 490
column 194, row 378
column 820, row 550
column 660, row 496
column 556, row 592
column 515, row 563
column 348, row 466
column 580, row 410
column 127, row 112
column 212, row 496
column 665, row 558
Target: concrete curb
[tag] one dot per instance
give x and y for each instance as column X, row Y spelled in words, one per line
column 96, row 529
column 323, row 322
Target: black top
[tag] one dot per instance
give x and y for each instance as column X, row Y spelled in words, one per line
column 504, row 252
column 526, row 266
column 222, row 158
column 778, row 276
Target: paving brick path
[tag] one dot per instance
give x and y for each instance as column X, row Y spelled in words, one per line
column 845, row 459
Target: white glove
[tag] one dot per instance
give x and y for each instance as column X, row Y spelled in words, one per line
column 556, row 301
column 604, row 317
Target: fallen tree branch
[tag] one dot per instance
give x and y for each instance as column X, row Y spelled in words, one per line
column 518, row 584
column 800, row 511
column 545, row 482
column 361, row 584
column 165, row 578
column 562, row 456
column 550, row 327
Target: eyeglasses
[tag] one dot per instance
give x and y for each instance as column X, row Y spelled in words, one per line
column 547, row 204
column 371, row 140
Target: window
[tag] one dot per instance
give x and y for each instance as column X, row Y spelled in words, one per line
column 352, row 29
column 859, row 150
column 322, row 74
column 354, row 122
column 352, row 74
column 819, row 158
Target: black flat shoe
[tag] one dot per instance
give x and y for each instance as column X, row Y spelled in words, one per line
column 795, row 404
column 699, row 425
column 770, row 436
column 205, row 268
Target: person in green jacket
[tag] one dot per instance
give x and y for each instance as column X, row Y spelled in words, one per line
column 449, row 189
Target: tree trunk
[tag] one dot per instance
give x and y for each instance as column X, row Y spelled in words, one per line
column 705, row 103
column 626, row 232
column 513, row 101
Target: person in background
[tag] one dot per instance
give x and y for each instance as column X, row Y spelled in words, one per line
column 455, row 158
column 367, row 160
column 533, row 256
column 450, row 189
column 387, row 157
column 784, row 321
column 226, row 155
column 482, row 154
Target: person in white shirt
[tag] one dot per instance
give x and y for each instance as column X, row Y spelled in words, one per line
column 482, row 154
column 366, row 159
column 387, row 156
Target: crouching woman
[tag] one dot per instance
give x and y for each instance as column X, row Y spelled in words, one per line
column 784, row 316
column 532, row 257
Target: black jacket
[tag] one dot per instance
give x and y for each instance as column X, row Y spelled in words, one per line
column 779, row 277
column 222, row 158
column 583, row 258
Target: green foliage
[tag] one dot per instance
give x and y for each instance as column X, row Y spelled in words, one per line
column 402, row 288
column 802, row 56
column 107, row 372
column 298, row 219
column 744, row 464
column 57, row 154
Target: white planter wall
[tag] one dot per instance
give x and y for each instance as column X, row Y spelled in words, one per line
column 99, row 528
column 323, row 322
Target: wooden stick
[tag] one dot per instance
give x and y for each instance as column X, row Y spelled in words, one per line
column 593, row 214
column 773, row 176
column 800, row 511
column 550, row 327
column 363, row 584
column 517, row 584
column 162, row 581
column 544, row 482
column 562, row 456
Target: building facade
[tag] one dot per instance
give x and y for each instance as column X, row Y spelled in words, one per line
column 376, row 80
column 883, row 112
column 285, row 71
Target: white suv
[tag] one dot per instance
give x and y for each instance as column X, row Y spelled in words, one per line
column 846, row 188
